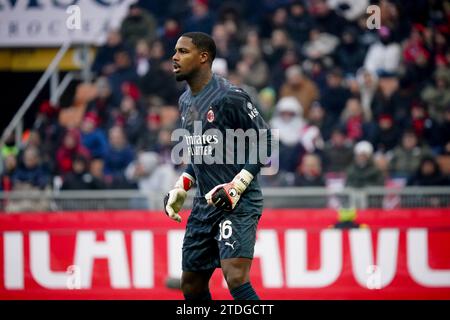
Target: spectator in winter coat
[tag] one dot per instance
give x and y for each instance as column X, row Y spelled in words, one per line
column 80, row 178
column 437, row 96
column 124, row 73
column 406, row 157
column 335, row 95
column 31, row 173
column 93, row 138
column 338, row 153
column 428, row 174
column 383, row 56
column 71, row 146
column 118, row 155
column 363, row 172
column 289, row 122
column 138, row 24
column 309, row 172
column 299, row 86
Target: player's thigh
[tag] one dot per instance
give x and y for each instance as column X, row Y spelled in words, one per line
column 200, row 251
column 236, row 235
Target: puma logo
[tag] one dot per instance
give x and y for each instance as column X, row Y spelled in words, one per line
column 230, row 244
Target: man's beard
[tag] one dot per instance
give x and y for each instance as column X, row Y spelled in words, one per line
column 181, row 77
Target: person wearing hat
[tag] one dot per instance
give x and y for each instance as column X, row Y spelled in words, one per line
column 363, row 172
column 437, row 96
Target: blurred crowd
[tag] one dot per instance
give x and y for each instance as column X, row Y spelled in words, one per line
column 354, row 106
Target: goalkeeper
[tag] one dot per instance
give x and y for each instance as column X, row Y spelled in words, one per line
column 221, row 229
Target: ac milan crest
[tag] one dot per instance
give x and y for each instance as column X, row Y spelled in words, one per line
column 210, row 116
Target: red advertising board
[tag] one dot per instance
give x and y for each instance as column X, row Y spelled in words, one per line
column 402, row 254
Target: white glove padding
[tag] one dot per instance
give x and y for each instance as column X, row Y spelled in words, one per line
column 227, row 195
column 174, row 200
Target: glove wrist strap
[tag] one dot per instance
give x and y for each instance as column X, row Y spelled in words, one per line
column 242, row 180
column 185, row 181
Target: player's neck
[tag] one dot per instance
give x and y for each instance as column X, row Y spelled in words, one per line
column 199, row 81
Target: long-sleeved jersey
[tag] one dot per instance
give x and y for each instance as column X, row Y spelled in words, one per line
column 223, row 133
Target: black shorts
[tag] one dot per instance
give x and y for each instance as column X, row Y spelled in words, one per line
column 206, row 243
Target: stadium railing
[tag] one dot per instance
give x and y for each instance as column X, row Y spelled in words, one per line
column 101, row 200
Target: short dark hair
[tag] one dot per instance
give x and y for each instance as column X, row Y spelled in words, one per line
column 203, row 42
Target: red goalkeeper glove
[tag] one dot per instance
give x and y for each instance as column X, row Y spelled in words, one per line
column 227, row 195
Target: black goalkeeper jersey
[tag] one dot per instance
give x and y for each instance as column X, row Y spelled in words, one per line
column 211, row 120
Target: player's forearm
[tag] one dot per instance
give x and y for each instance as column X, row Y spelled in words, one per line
column 190, row 171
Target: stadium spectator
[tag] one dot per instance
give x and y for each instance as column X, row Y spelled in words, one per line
column 320, row 44
column 80, row 178
column 92, row 137
column 131, row 118
column 252, row 68
column 425, row 127
column 386, row 134
column 125, row 72
column 428, row 174
column 318, row 117
column 309, row 172
column 437, row 95
column 171, row 32
column 352, row 119
column 276, row 46
column 367, row 85
column 387, row 99
column 157, row 81
column 337, row 153
column 417, row 57
column 277, row 19
column 148, row 137
column 383, row 57
column 299, row 86
column 31, row 174
column 407, row 156
column 363, row 172
column 226, row 48
column 96, row 170
column 104, row 59
column 118, row 156
column 103, row 105
column 150, row 174
column 311, row 139
column 299, row 22
column 289, row 121
column 164, row 144
column 70, row 147
column 326, row 18
column 138, row 24
column 289, row 58
column 350, row 54
column 7, row 175
column 142, row 56
column 200, row 19
column 335, row 95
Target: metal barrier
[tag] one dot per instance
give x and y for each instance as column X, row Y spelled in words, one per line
column 385, row 198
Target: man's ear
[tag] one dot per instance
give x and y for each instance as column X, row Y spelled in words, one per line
column 204, row 57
